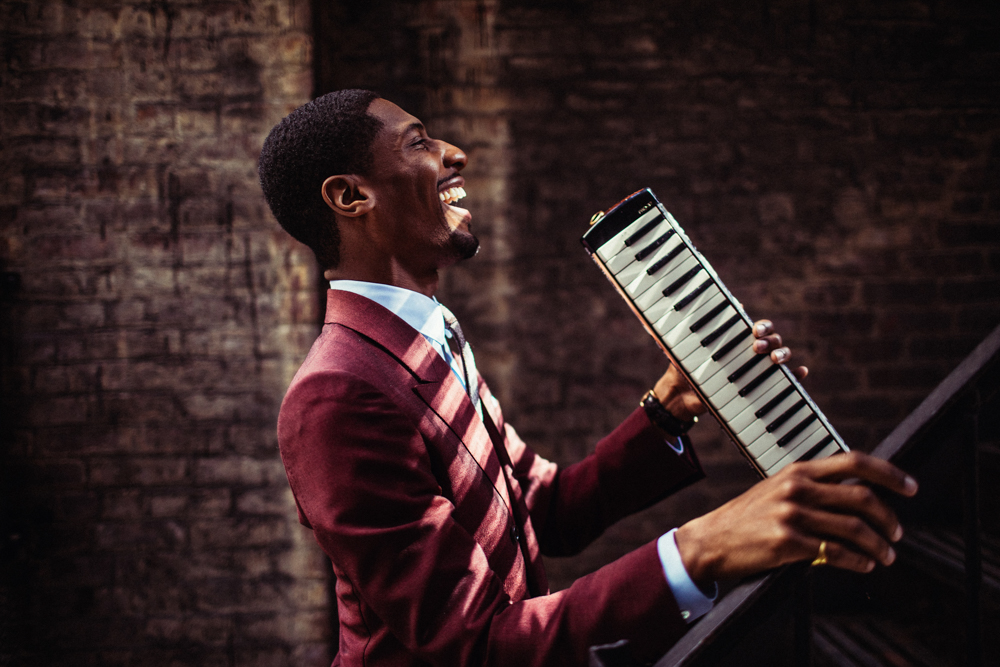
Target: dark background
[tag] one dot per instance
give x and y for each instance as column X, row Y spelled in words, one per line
column 837, row 162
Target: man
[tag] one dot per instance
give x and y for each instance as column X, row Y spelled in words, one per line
column 432, row 510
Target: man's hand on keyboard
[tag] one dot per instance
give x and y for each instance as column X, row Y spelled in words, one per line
column 682, row 402
column 787, row 517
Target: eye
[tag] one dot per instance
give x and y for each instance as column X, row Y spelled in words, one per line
column 420, row 142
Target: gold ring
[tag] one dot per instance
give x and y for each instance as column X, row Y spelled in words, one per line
column 821, row 556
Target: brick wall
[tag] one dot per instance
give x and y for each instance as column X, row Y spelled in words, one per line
column 837, row 162
column 152, row 317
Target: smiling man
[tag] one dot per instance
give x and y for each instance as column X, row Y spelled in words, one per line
column 432, row 510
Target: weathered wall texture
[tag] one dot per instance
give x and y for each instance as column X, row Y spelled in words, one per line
column 838, row 163
column 152, row 317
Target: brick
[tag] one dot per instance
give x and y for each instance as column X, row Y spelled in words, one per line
column 950, row 350
column 85, row 315
column 971, row 291
column 900, row 292
column 271, row 501
column 211, row 502
column 308, row 561
column 223, row 533
column 167, row 505
column 262, row 657
column 237, row 470
column 824, row 324
column 978, row 318
column 969, row 233
column 125, row 504
column 904, row 377
column 149, row 535
column 210, row 631
column 97, row 231
column 60, row 410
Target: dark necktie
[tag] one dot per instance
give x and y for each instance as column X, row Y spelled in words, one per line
column 461, row 348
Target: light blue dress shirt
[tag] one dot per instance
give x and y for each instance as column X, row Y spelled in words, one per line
column 424, row 314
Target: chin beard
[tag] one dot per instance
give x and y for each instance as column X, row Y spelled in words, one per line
column 465, row 244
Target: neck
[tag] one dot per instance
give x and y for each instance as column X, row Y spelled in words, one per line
column 388, row 275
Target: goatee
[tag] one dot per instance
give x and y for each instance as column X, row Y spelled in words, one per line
column 465, row 244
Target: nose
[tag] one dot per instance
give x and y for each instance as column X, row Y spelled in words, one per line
column 453, row 157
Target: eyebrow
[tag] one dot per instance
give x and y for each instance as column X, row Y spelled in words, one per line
column 415, row 126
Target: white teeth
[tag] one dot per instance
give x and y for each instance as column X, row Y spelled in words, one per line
column 452, row 195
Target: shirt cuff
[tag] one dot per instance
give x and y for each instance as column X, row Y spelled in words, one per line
column 690, row 600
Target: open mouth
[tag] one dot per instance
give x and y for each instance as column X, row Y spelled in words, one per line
column 452, row 195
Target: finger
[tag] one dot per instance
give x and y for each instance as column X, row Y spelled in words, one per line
column 800, row 373
column 850, row 531
column 762, row 328
column 781, row 355
column 848, row 500
column 766, row 343
column 863, row 467
column 837, row 555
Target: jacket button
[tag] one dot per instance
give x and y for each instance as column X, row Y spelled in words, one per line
column 513, row 534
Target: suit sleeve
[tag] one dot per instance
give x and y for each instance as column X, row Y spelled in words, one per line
column 363, row 479
column 629, row 470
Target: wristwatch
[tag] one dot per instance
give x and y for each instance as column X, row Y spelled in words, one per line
column 660, row 416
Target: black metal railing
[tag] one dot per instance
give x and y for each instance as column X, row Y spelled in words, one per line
column 799, row 615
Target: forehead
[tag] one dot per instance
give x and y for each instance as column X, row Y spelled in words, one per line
column 395, row 121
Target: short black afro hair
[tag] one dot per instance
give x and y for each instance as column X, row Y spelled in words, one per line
column 331, row 135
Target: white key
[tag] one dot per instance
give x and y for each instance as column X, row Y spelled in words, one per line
column 616, row 245
column 729, row 403
column 640, row 282
column 829, row 450
column 707, row 369
column 715, row 323
column 689, row 345
column 632, row 271
column 643, row 281
column 652, row 298
column 796, row 450
column 673, row 332
column 624, row 261
column 765, row 442
column 813, row 433
column 762, row 444
column 686, row 346
column 754, row 430
column 745, row 409
column 720, row 381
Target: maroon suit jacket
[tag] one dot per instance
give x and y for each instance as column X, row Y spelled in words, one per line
column 396, row 474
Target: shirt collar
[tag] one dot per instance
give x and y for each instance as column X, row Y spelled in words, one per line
column 420, row 312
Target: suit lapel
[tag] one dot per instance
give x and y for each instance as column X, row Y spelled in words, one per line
column 437, row 386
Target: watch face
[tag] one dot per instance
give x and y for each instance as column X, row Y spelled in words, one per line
column 662, row 418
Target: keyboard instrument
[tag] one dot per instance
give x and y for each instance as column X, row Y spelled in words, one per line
column 682, row 302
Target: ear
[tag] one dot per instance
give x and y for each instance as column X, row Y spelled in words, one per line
column 348, row 195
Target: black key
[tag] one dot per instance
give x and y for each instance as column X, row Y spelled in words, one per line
column 785, row 416
column 648, row 250
column 693, row 295
column 723, row 328
column 666, row 259
column 647, row 228
column 709, row 316
column 798, row 428
column 742, row 370
column 677, row 284
column 816, row 449
column 728, row 347
column 773, row 403
column 759, row 380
